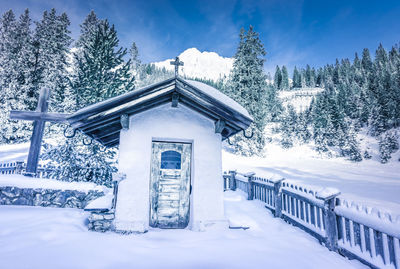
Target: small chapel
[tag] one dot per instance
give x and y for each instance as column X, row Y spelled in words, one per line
column 169, row 136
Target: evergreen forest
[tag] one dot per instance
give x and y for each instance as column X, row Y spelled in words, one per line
column 357, row 96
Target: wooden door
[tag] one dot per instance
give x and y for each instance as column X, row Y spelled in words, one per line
column 170, row 184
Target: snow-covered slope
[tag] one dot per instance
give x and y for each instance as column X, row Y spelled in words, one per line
column 205, row 65
column 369, row 182
column 300, row 99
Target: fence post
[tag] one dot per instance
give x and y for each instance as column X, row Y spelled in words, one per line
column 232, row 180
column 250, row 189
column 278, row 198
column 224, row 179
column 227, row 179
column 330, row 218
column 116, row 179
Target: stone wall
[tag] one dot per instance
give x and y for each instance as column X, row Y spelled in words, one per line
column 47, row 197
column 101, row 221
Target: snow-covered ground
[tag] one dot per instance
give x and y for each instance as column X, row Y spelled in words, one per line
column 33, row 237
column 300, row 99
column 368, row 182
column 14, row 152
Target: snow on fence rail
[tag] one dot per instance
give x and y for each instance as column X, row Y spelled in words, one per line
column 352, row 230
column 19, row 167
column 43, row 171
column 368, row 234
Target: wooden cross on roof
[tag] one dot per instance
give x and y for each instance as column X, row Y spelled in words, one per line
column 177, row 63
column 39, row 118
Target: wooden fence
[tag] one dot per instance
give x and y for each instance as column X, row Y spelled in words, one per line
column 352, row 230
column 19, row 167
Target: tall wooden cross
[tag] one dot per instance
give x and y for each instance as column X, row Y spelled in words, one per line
column 39, row 118
column 177, row 63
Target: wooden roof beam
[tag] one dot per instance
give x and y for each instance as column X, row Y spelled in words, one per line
column 107, row 134
column 99, row 125
column 219, row 126
column 112, row 142
column 125, row 121
column 175, row 99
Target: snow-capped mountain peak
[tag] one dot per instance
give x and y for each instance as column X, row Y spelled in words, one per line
column 205, row 65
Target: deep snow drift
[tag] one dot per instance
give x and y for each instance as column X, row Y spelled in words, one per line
column 33, row 237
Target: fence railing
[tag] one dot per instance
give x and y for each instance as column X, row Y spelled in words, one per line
column 19, row 168
column 352, row 230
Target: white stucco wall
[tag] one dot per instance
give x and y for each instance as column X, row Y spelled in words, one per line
column 172, row 124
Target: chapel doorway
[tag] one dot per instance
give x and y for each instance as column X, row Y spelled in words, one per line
column 170, row 185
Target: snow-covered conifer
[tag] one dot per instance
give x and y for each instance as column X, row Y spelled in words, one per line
column 285, row 78
column 278, row 78
column 15, row 75
column 248, row 86
column 134, row 55
column 296, row 78
column 100, row 71
column 53, row 39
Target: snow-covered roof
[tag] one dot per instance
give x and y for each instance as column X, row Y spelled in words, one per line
column 218, row 95
column 102, row 121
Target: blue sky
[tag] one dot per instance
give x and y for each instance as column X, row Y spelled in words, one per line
column 293, row 32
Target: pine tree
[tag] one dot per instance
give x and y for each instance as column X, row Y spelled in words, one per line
column 325, row 121
column 309, row 77
column 148, row 74
column 336, row 73
column 15, row 80
column 288, row 127
column 88, row 29
column 134, row 54
column 313, row 77
column 379, row 93
column 248, row 86
column 278, row 78
column 53, row 40
column 388, row 144
column 285, row 78
column 366, row 61
column 74, row 161
column 319, row 79
column 100, row 70
column 296, row 78
column 351, row 147
column 365, row 92
column 302, row 132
